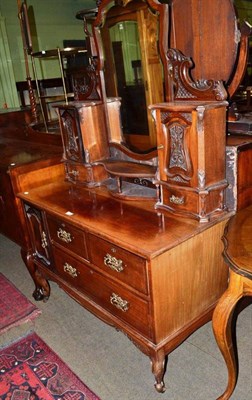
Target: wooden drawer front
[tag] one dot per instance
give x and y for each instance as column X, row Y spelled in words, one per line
column 189, row 202
column 180, row 199
column 84, row 174
column 121, row 264
column 110, row 296
column 64, row 234
column 78, row 173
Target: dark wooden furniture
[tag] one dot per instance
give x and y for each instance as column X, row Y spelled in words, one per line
column 44, row 84
column 238, row 194
column 132, row 266
column 238, row 256
column 22, row 150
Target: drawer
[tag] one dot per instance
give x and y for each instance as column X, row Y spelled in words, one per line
column 84, row 174
column 78, row 173
column 183, row 200
column 110, row 296
column 122, row 264
column 179, row 199
column 67, row 236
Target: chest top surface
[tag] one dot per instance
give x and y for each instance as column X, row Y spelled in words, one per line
column 136, row 226
column 19, row 152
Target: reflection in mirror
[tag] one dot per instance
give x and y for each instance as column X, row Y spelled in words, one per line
column 128, row 83
column 132, row 67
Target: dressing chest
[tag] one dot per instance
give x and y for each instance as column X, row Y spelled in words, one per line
column 146, row 260
column 154, row 276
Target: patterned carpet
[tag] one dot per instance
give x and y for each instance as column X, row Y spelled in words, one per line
column 15, row 308
column 30, row 370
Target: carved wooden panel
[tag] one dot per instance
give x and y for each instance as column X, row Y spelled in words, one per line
column 71, row 135
column 86, row 82
column 38, row 235
column 176, row 164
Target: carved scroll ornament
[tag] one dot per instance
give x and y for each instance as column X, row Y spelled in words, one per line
column 86, row 84
column 187, row 89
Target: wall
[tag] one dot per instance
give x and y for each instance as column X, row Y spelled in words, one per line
column 244, row 9
column 53, row 22
column 127, row 33
column 8, row 92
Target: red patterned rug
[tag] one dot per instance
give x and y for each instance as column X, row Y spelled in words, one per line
column 15, row 308
column 30, row 370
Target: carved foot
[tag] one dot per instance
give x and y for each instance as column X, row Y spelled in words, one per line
column 42, row 290
column 158, row 369
column 160, row 387
column 39, row 295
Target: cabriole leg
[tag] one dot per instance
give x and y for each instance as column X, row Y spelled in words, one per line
column 42, row 288
column 158, row 369
column 222, row 327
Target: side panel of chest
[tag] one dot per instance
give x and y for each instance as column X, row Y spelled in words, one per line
column 187, row 280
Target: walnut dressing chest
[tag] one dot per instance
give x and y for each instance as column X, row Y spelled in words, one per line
column 135, row 236
column 152, row 275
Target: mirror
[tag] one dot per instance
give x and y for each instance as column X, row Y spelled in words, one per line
column 132, row 65
column 123, row 57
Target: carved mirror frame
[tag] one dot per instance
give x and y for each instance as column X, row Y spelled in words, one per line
column 161, row 11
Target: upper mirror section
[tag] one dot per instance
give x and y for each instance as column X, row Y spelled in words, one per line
column 127, row 34
column 133, row 38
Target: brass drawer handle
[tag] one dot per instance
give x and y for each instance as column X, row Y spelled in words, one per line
column 177, row 200
column 74, row 173
column 64, row 236
column 113, row 263
column 70, row 270
column 119, row 303
column 44, row 243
